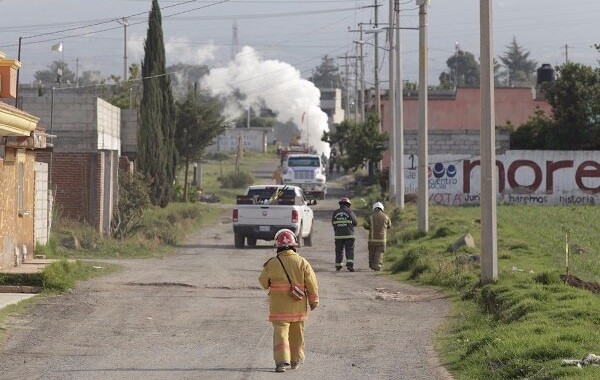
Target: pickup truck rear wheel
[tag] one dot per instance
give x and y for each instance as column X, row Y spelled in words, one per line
column 308, row 239
column 299, row 238
column 251, row 241
column 239, row 240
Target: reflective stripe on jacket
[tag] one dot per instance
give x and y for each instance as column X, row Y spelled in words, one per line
column 282, row 307
column 378, row 224
column 343, row 221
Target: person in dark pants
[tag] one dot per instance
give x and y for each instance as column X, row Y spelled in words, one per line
column 344, row 221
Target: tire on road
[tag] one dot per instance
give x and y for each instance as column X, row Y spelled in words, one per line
column 251, row 241
column 308, row 239
column 239, row 240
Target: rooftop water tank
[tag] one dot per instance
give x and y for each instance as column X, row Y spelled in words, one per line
column 545, row 74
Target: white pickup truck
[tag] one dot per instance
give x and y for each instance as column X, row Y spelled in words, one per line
column 265, row 209
column 306, row 171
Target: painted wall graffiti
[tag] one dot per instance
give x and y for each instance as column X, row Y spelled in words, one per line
column 522, row 177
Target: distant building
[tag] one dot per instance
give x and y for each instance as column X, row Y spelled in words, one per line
column 454, row 118
column 85, row 159
column 253, row 139
column 331, row 104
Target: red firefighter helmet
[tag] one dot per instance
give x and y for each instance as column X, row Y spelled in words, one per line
column 285, row 238
column 346, row 201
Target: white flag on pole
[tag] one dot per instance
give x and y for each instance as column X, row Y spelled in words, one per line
column 58, row 47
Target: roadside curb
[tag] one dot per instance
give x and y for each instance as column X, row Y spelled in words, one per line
column 20, row 289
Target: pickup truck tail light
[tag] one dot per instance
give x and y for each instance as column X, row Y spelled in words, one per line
column 235, row 215
column 294, row 216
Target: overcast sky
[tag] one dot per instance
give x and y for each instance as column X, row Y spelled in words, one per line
column 298, row 32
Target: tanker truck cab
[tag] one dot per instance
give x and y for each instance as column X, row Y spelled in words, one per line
column 307, row 172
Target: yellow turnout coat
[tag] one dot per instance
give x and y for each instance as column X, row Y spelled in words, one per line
column 282, row 307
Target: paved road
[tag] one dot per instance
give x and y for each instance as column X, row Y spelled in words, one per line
column 200, row 314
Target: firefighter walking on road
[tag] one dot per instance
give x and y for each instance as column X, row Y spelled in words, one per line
column 344, row 221
column 288, row 311
column 377, row 223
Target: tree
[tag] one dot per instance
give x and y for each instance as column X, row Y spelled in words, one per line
column 575, row 120
column 575, row 101
column 125, row 94
column 519, row 68
column 58, row 72
column 327, row 75
column 157, row 156
column 199, row 122
column 358, row 143
column 463, row 71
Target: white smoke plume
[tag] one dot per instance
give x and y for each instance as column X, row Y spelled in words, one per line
column 177, row 50
column 277, row 85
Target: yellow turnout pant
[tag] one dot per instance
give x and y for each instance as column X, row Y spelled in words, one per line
column 288, row 342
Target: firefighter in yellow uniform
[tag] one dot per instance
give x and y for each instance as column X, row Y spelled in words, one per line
column 285, row 312
column 377, row 223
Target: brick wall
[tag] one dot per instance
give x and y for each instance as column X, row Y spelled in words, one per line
column 75, row 179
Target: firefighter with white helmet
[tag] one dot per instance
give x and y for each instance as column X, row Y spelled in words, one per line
column 377, row 223
column 343, row 221
column 287, row 312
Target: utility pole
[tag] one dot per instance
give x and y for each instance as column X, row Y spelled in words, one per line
column 399, row 113
column 489, row 254
column 456, row 49
column 566, row 53
column 392, row 104
column 123, row 22
column 356, row 100
column 423, row 196
column 362, row 75
column 346, row 57
column 376, row 73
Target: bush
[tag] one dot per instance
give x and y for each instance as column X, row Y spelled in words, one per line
column 217, row 156
column 236, row 180
column 134, row 196
column 409, row 261
column 62, row 275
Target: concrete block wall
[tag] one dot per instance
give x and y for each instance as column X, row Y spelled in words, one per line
column 129, row 131
column 109, row 126
column 453, row 141
column 73, row 121
column 42, row 210
column 83, row 123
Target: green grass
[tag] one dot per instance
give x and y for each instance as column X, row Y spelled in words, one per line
column 162, row 229
column 522, row 326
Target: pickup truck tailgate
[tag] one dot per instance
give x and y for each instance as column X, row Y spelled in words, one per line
column 269, row 215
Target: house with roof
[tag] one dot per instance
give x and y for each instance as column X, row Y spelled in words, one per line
column 21, row 210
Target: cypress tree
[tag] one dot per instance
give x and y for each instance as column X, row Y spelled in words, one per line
column 156, row 136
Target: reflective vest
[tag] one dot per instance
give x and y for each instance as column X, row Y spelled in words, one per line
column 343, row 221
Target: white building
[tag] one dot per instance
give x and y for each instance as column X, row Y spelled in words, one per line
column 331, row 104
column 253, row 139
